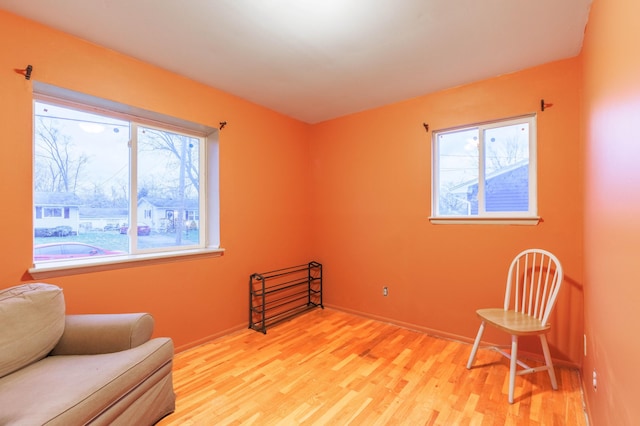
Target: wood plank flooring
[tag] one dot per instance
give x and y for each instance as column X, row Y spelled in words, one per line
column 327, row 367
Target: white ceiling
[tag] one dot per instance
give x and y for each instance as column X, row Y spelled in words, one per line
column 319, row 59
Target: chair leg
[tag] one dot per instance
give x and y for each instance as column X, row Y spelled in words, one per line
column 512, row 369
column 472, row 356
column 547, row 359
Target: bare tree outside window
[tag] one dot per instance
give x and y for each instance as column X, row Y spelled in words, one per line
column 58, row 164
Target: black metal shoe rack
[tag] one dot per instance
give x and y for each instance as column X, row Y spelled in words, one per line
column 278, row 295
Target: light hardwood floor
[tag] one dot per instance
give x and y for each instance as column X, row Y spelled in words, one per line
column 330, row 367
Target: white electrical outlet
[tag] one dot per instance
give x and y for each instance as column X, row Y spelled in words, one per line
column 385, row 291
column 595, row 380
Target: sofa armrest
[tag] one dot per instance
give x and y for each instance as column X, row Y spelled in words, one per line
column 103, row 333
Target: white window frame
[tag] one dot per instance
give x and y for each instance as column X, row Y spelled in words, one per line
column 529, row 217
column 209, row 199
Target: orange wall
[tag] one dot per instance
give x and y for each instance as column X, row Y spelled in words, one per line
column 612, row 211
column 371, row 173
column 264, row 174
column 361, row 183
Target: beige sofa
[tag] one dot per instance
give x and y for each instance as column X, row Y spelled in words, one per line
column 58, row 369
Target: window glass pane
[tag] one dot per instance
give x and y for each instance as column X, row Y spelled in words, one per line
column 81, row 180
column 506, row 176
column 457, row 172
column 168, row 188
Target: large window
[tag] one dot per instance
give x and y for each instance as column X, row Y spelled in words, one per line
column 111, row 184
column 485, row 171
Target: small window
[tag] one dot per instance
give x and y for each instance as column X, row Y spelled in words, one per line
column 113, row 175
column 485, row 171
column 52, row 212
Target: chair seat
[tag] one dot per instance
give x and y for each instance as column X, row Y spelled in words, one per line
column 513, row 322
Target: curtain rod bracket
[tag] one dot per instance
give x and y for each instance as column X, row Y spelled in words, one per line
column 426, row 127
column 222, row 124
column 26, row 72
column 544, row 105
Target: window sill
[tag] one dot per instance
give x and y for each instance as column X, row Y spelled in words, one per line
column 485, row 220
column 107, row 263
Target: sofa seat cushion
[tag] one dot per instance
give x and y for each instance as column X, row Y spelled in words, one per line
column 32, row 318
column 76, row 389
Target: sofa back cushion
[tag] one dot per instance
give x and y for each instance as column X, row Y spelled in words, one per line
column 31, row 323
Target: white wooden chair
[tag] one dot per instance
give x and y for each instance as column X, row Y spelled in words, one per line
column 533, row 283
